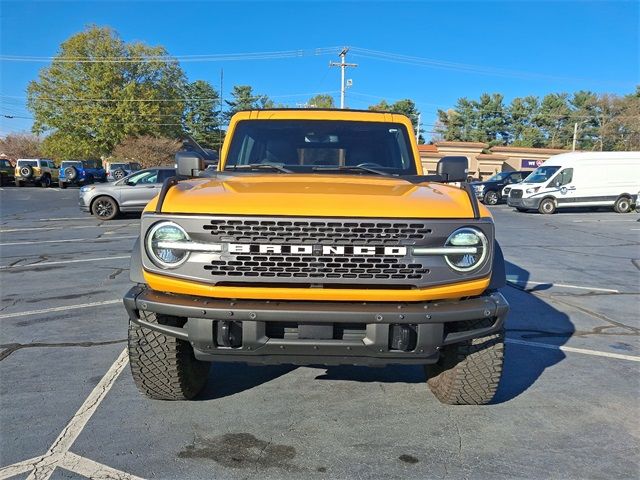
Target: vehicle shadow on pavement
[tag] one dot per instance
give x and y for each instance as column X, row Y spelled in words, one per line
column 226, row 378
column 530, row 319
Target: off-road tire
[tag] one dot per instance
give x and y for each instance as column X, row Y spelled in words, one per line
column 19, row 183
column 119, row 174
column 62, row 185
column 26, row 171
column 547, row 206
column 163, row 367
column 71, row 173
column 622, row 205
column 45, row 182
column 491, row 198
column 468, row 373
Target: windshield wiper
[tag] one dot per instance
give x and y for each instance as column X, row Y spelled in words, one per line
column 352, row 168
column 258, row 166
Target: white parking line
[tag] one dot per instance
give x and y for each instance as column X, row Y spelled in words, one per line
column 38, row 242
column 9, row 230
column 564, row 348
column 58, row 309
column 58, row 455
column 563, row 285
column 88, row 217
column 63, row 262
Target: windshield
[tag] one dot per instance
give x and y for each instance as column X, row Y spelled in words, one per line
column 70, row 164
column 321, row 146
column 498, row 177
column 541, row 174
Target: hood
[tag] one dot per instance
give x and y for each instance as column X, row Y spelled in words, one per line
column 316, row 195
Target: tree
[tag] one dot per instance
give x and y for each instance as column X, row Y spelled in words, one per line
column 521, row 130
column 99, row 89
column 553, row 120
column 492, row 120
column 404, row 107
column 21, row 145
column 201, row 117
column 150, row 151
column 321, row 101
column 245, row 99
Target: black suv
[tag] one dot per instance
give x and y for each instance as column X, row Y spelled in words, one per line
column 490, row 191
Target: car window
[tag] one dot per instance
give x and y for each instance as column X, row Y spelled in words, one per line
column 69, row 164
column 115, row 166
column 305, row 145
column 142, row 178
column 23, row 163
column 5, row 163
column 563, row 178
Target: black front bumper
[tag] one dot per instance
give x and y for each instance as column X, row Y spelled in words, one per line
column 314, row 332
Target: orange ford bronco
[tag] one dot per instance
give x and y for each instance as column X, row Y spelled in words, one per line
column 318, row 240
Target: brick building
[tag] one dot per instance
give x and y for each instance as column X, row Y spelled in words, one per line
column 483, row 160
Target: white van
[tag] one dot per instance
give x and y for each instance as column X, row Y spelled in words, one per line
column 580, row 179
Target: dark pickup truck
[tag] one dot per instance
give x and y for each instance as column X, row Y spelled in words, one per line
column 490, row 191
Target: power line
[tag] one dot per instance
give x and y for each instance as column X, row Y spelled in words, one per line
column 215, row 57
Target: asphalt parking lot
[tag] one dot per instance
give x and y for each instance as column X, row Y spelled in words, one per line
column 567, row 407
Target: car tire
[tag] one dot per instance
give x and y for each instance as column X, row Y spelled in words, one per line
column 103, row 179
column 19, row 183
column 119, row 173
column 468, row 373
column 89, row 180
column 105, row 208
column 26, row 171
column 547, row 206
column 622, row 205
column 163, row 367
column 45, row 182
column 71, row 173
column 520, row 209
column 491, row 198
column 62, row 185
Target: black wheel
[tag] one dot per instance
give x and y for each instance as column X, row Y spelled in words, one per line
column 163, row 367
column 19, row 183
column 103, row 179
column 622, row 205
column 490, row 197
column 105, row 208
column 520, row 209
column 45, row 182
column 26, row 171
column 89, row 180
column 547, row 206
column 62, row 185
column 2, row 180
column 119, row 173
column 468, row 373
column 71, row 173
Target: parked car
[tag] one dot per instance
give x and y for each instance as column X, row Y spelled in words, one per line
column 490, row 190
column 130, row 194
column 81, row 172
column 118, row 170
column 580, row 179
column 6, row 172
column 37, row 171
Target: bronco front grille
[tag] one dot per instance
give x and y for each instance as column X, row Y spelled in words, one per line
column 317, row 269
column 515, row 194
column 318, row 232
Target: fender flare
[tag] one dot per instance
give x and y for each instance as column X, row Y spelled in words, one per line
column 135, row 267
column 498, row 270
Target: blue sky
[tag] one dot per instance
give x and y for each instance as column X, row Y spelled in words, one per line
column 515, row 48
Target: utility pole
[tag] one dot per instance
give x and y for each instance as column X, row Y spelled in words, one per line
column 343, row 65
column 418, row 128
column 575, row 134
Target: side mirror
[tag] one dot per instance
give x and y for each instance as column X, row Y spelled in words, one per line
column 188, row 164
column 453, row 169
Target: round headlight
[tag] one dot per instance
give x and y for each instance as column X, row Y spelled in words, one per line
column 159, row 236
column 467, row 237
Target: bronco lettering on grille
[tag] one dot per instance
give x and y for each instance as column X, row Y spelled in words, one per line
column 319, row 249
